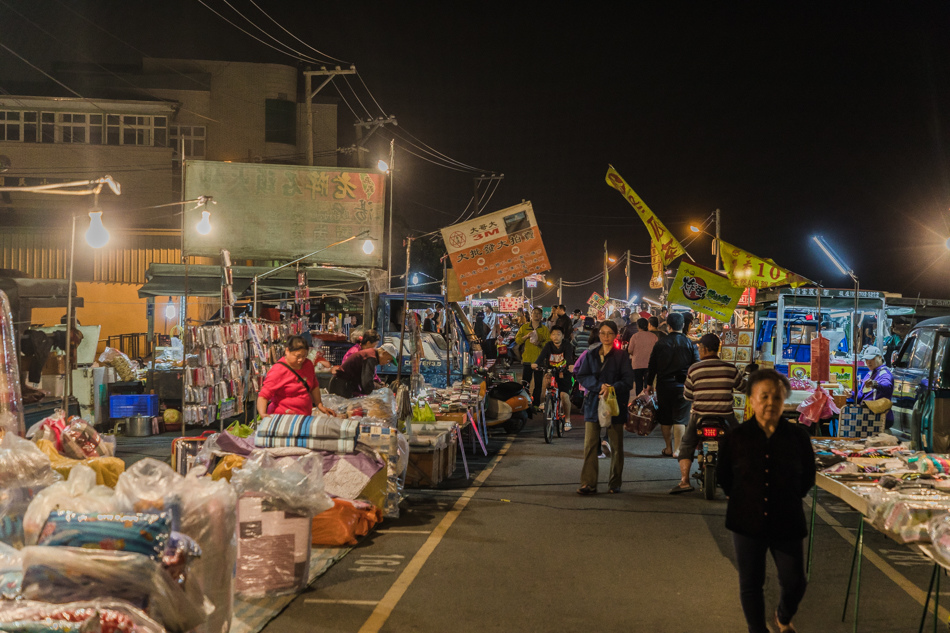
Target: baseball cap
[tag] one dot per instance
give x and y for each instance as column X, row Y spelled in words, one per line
column 390, row 349
column 870, row 352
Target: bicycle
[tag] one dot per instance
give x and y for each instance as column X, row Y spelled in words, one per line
column 554, row 415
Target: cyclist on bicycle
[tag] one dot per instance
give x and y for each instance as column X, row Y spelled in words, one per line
column 557, row 355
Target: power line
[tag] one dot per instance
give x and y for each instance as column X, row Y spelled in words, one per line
column 48, row 76
column 249, row 34
column 330, row 57
column 300, row 56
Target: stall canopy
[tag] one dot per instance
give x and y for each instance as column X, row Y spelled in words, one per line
column 168, row 280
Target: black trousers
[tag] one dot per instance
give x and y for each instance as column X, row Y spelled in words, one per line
column 639, row 378
column 789, row 557
column 526, row 374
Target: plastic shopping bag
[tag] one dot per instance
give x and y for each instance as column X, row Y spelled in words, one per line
column 612, row 403
column 603, row 412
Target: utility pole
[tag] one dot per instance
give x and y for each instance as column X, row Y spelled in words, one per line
column 716, row 243
column 310, row 94
column 372, row 125
column 560, row 291
column 478, row 181
column 606, row 284
column 628, row 276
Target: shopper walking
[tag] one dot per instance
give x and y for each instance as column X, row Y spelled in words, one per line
column 490, row 343
column 655, row 327
column 709, row 386
column 640, row 347
column 603, row 367
column 669, row 361
column 766, row 467
column 533, row 335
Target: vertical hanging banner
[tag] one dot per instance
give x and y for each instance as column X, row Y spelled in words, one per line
column 704, row 291
column 745, row 270
column 657, row 269
column 496, row 249
column 667, row 245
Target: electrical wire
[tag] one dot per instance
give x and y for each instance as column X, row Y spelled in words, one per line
column 249, row 34
column 358, row 100
column 329, row 57
column 50, row 77
column 300, row 56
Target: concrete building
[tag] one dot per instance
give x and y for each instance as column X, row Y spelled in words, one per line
column 133, row 124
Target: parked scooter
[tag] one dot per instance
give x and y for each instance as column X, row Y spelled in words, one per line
column 507, row 349
column 710, row 431
column 507, row 403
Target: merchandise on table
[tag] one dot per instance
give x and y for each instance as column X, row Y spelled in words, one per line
column 317, row 432
column 906, row 516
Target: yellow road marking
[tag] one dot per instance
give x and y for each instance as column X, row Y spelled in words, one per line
column 361, row 603
column 875, row 559
column 385, row 607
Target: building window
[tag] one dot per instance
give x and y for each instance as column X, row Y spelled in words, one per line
column 194, row 137
column 130, row 129
column 280, row 121
column 11, row 125
column 80, row 128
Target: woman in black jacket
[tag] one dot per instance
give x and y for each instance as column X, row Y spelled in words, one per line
column 767, row 466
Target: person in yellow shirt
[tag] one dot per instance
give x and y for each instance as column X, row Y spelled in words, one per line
column 533, row 334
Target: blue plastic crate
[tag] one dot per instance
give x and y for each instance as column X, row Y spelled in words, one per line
column 130, row 405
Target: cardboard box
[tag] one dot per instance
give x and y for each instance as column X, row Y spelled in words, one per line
column 425, row 468
column 450, row 456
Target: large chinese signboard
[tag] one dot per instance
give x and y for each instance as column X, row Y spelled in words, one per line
column 286, row 211
column 496, row 249
column 704, row 291
column 510, row 304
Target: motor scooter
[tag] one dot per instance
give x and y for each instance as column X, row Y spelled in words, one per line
column 507, row 402
column 710, row 430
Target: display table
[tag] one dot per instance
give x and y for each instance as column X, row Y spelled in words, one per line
column 849, row 495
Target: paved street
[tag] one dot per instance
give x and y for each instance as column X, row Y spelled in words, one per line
column 526, row 553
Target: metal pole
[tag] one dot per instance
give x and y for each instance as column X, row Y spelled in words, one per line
column 308, row 109
column 628, row 275
column 392, row 173
column 716, row 245
column 405, row 312
column 854, row 339
column 447, row 330
column 606, row 289
column 68, row 386
column 560, row 291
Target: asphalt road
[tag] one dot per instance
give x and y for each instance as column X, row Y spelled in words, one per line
column 523, row 552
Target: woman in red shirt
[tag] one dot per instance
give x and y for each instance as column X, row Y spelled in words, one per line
column 291, row 385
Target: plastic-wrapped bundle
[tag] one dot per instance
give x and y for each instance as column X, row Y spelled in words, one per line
column 11, row 402
column 69, row 574
column 207, row 512
column 297, row 483
column 23, row 464
column 939, row 531
column 79, row 493
column 394, row 448
column 140, row 533
column 380, row 404
column 102, row 616
column 11, row 572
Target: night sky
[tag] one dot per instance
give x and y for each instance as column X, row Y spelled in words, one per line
column 794, row 119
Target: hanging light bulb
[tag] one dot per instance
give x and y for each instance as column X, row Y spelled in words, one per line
column 170, row 310
column 415, row 280
column 382, row 165
column 204, row 225
column 96, row 236
column 368, row 247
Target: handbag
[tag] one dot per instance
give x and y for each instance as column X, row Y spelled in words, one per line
column 612, row 403
column 856, row 420
column 603, row 412
column 642, row 411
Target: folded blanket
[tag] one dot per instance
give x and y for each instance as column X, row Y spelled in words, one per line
column 324, row 427
column 314, row 444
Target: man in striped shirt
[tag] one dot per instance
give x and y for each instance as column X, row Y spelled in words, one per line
column 709, row 385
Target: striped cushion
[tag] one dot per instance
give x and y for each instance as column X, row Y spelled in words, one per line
column 321, row 427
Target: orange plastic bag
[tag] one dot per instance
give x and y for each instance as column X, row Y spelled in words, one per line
column 341, row 524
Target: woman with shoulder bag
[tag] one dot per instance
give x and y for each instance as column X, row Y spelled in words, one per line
column 290, row 385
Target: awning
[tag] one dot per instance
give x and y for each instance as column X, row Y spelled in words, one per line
column 205, row 281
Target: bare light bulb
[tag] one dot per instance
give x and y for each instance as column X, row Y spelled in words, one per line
column 170, row 310
column 96, row 236
column 204, row 225
column 368, row 247
column 415, row 280
column 382, row 166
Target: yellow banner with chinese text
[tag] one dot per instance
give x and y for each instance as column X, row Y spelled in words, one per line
column 745, row 270
column 668, row 246
column 704, row 291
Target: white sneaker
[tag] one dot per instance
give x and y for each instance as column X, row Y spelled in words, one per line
column 605, row 448
column 567, row 426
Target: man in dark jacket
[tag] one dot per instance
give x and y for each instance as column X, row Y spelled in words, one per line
column 602, row 367
column 669, row 361
column 563, row 321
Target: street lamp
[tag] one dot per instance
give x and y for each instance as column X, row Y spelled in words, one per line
column 715, row 244
column 844, row 269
